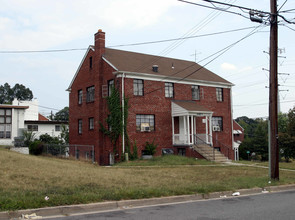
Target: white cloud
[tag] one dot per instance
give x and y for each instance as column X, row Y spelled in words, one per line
column 228, row 66
column 46, row 24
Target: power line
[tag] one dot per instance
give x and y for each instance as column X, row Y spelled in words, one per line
column 132, row 44
column 173, row 46
column 183, row 38
column 249, row 104
column 216, row 8
column 218, row 53
column 42, row 51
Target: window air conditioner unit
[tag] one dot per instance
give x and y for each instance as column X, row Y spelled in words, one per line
column 216, row 128
column 145, row 127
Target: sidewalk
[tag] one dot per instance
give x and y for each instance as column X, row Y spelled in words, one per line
column 126, row 204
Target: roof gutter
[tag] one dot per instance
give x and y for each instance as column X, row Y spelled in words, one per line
column 154, row 77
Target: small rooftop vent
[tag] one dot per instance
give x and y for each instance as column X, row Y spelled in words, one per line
column 155, row 68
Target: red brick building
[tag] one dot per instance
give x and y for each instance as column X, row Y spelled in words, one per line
column 238, row 132
column 174, row 102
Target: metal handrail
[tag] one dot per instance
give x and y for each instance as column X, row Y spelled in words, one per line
column 224, row 149
column 204, row 142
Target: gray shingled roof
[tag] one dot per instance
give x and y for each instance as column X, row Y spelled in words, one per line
column 125, row 61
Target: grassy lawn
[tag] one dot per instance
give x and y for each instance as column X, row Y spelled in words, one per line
column 169, row 160
column 282, row 165
column 25, row 180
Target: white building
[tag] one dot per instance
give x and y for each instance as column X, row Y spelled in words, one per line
column 22, row 115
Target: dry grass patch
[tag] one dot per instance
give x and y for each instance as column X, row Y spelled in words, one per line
column 25, row 180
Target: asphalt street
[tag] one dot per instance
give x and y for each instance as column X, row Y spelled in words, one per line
column 278, row 205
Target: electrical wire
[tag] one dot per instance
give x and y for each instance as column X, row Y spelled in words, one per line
column 132, row 44
column 215, row 8
column 42, row 51
column 250, row 105
column 173, row 46
column 183, row 38
column 218, row 54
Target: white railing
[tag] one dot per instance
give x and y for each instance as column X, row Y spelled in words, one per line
column 182, row 139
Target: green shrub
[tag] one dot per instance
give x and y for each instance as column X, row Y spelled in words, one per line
column 36, row 147
column 150, row 148
column 134, row 155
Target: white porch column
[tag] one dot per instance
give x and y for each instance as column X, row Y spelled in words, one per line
column 173, row 138
column 195, row 131
column 192, row 129
column 207, row 136
column 187, row 127
column 210, row 129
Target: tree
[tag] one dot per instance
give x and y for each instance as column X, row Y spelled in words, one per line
column 19, row 91
column 291, row 122
column 287, row 146
column 256, row 137
column 260, row 140
column 282, row 122
column 62, row 115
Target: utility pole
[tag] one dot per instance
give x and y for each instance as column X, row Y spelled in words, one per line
column 273, row 92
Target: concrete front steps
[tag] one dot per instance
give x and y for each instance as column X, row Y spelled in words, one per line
column 207, row 152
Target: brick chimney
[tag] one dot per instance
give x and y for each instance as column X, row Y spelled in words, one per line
column 99, row 42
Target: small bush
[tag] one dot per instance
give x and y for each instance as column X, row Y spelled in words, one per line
column 36, row 147
column 150, row 148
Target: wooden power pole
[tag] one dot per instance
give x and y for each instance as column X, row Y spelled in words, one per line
column 273, row 92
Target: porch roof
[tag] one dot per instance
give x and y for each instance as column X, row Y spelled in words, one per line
column 183, row 107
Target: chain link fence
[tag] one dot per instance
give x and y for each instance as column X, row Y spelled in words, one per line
column 80, row 152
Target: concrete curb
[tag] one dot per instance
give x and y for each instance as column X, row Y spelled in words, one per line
column 125, row 204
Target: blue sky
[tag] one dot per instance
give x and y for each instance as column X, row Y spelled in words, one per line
column 29, row 25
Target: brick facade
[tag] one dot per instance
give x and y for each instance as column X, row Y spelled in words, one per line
column 97, row 71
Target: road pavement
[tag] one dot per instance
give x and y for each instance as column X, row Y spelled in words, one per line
column 268, row 206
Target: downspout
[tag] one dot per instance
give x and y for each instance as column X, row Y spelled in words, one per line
column 123, row 119
column 232, row 126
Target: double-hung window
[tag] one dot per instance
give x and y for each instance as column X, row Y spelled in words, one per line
column 57, row 128
column 110, row 86
column 90, row 94
column 5, row 123
column 217, row 123
column 80, row 96
column 91, row 123
column 219, row 94
column 32, row 127
column 80, row 126
column 138, row 87
column 145, row 123
column 195, row 93
column 169, row 90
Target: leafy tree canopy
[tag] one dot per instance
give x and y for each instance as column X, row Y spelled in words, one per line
column 19, row 91
column 62, row 115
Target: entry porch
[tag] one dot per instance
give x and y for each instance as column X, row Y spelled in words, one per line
column 191, row 124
